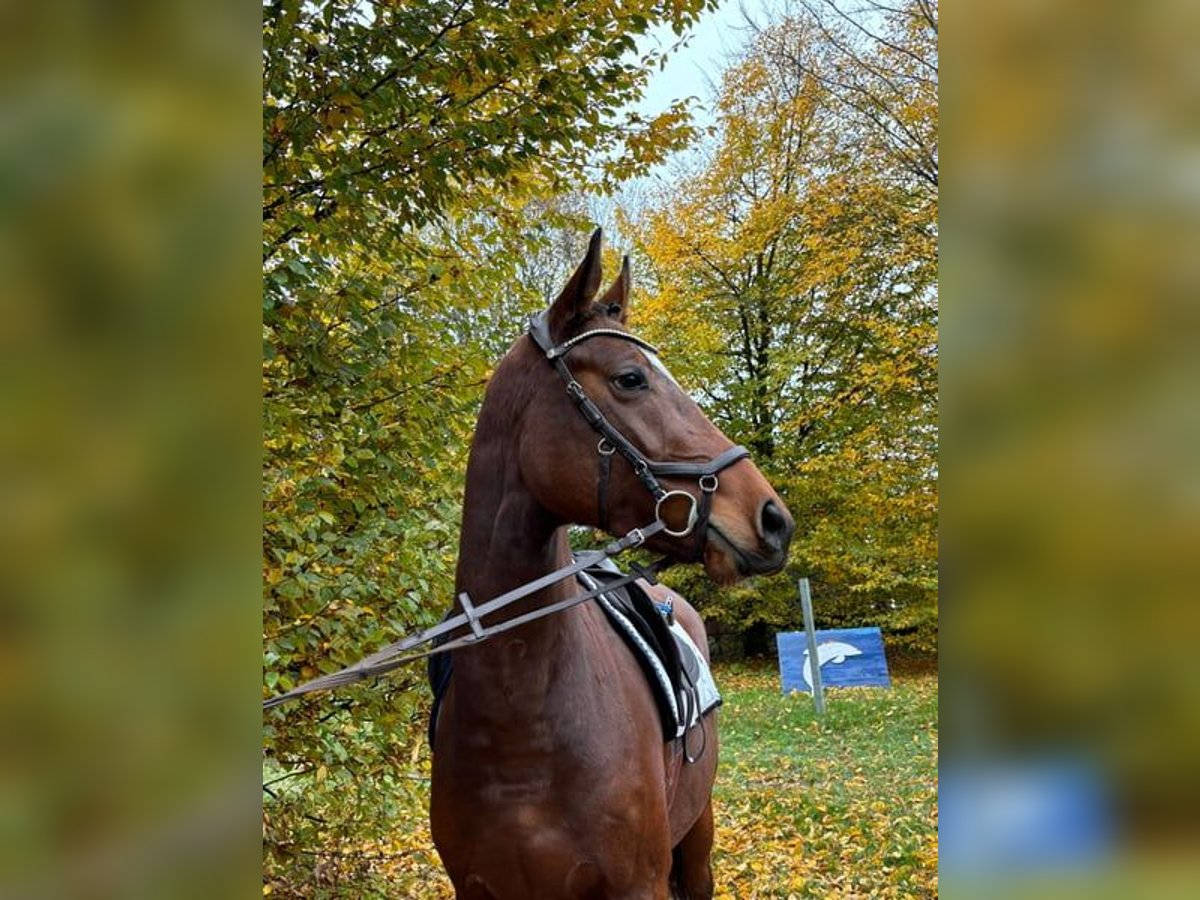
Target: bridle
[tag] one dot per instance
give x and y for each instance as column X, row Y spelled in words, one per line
column 612, row 441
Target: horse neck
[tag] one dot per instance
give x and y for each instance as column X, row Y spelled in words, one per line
column 507, row 540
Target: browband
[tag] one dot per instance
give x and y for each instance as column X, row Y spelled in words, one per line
column 539, row 330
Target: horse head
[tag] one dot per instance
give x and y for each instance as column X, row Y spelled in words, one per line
column 607, row 438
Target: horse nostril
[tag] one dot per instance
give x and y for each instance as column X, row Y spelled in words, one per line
column 777, row 526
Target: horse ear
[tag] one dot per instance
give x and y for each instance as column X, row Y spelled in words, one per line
column 616, row 298
column 577, row 296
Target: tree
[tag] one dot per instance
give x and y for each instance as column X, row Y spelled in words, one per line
column 800, row 262
column 377, row 116
column 879, row 64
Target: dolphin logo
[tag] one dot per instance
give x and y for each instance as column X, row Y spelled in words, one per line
column 830, row 652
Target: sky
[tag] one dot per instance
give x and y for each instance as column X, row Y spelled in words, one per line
column 692, row 69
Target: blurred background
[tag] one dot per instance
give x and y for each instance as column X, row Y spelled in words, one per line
column 131, row 494
column 130, row 440
column 1072, row 440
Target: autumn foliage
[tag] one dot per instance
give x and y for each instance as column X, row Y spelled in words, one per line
column 422, row 169
column 793, row 272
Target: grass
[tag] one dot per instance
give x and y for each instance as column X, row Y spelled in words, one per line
column 841, row 807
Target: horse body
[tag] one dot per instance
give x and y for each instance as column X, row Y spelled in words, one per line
column 535, row 793
column 550, row 775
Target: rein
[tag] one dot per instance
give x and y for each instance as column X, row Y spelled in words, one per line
column 404, row 651
column 400, row 653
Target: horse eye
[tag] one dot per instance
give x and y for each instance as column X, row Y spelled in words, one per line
column 631, row 380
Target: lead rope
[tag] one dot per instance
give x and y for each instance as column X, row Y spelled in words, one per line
column 404, row 651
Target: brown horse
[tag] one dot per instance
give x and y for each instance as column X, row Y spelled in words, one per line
column 551, row 778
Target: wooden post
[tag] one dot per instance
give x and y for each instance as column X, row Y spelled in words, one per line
column 814, row 662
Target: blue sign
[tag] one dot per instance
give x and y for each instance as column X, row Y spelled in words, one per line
column 1017, row 816
column 848, row 657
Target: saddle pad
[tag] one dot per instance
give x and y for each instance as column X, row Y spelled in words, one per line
column 676, row 672
column 707, row 695
column 679, row 677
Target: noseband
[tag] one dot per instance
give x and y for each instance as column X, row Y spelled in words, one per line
column 612, row 441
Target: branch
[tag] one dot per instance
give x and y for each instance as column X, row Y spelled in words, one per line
column 864, row 30
column 284, row 777
column 433, row 379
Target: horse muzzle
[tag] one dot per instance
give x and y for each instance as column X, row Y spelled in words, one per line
column 727, row 559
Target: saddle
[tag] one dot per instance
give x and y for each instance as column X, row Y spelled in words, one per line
column 675, row 671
